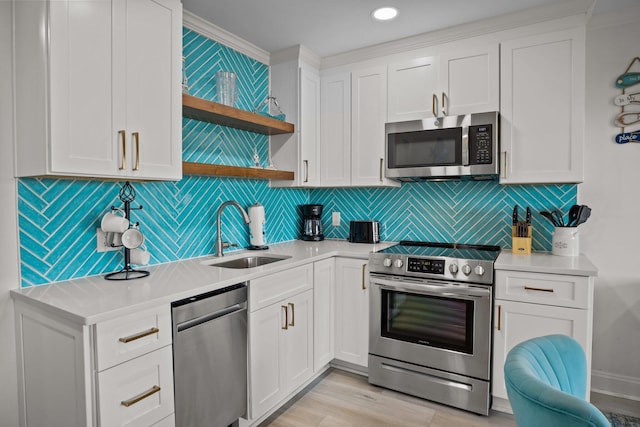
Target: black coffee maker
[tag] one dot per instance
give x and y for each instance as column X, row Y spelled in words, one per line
column 312, row 223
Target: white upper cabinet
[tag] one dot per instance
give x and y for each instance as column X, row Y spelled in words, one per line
column 368, row 116
column 98, row 93
column 460, row 80
column 543, row 108
column 296, row 86
column 470, row 80
column 335, row 134
column 413, row 85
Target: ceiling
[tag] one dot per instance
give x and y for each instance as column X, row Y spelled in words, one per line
column 330, row 27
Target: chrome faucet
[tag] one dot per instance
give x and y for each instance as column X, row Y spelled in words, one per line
column 220, row 246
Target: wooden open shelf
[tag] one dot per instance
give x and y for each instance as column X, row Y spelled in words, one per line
column 189, row 168
column 212, row 112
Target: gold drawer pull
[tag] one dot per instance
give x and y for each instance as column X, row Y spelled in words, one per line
column 140, row 335
column 529, row 288
column 153, row 390
column 499, row 317
column 364, row 268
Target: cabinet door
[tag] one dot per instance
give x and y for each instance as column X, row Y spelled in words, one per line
column 82, row 79
column 153, row 95
column 324, row 273
column 368, row 114
column 335, row 133
column 266, row 344
column 412, row 87
column 310, row 127
column 298, row 351
column 516, row 322
column 542, row 108
column 470, row 80
column 352, row 311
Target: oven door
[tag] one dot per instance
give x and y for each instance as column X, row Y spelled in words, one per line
column 438, row 324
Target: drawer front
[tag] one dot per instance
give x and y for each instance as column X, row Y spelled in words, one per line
column 268, row 290
column 126, row 337
column 138, row 392
column 549, row 289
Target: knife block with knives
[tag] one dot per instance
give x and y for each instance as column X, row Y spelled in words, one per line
column 521, row 233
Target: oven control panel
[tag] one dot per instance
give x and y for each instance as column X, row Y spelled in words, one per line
column 425, row 265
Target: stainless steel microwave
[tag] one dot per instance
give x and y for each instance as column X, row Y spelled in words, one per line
column 450, row 147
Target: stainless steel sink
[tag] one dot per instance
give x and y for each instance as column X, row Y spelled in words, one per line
column 249, row 261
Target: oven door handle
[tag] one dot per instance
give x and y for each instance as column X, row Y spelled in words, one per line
column 432, row 289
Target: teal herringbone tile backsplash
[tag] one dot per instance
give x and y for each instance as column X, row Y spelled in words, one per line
column 58, row 218
column 455, row 211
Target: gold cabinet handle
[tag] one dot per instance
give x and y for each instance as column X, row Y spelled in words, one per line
column 123, row 142
column 153, row 390
column 139, row 335
column 306, row 170
column 136, row 139
column 531, row 288
column 434, row 103
column 364, row 267
column 444, row 113
column 286, row 317
column 381, row 166
column 504, row 164
column 499, row 316
column 293, row 314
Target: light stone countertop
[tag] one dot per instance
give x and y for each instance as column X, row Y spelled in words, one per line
column 546, row 262
column 94, row 299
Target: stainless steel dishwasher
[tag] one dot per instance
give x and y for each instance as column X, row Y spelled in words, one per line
column 210, row 357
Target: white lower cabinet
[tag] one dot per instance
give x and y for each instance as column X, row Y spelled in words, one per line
column 280, row 338
column 324, row 273
column 529, row 305
column 352, row 311
column 114, row 373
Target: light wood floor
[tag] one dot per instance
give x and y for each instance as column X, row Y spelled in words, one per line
column 341, row 398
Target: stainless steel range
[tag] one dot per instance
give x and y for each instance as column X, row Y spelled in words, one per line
column 430, row 321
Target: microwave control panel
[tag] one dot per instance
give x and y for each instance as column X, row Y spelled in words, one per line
column 480, row 145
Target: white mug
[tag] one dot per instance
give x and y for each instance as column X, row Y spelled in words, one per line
column 140, row 255
column 132, row 238
column 114, row 223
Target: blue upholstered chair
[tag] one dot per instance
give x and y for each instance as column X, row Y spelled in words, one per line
column 546, row 383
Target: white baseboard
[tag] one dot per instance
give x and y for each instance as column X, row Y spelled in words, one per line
column 615, row 385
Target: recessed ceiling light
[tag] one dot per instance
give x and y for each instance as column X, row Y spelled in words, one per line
column 385, row 13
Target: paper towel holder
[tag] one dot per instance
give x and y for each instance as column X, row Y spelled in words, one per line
column 256, row 228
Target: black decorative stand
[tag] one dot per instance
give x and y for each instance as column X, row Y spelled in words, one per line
column 127, row 195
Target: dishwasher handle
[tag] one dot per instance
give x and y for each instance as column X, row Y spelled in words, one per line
column 211, row 316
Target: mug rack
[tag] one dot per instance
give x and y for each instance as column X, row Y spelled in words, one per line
column 127, row 195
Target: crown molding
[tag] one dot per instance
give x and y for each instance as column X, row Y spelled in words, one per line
column 478, row 28
column 207, row 29
column 295, row 53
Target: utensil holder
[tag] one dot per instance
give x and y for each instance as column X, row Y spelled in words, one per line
column 565, row 241
column 521, row 245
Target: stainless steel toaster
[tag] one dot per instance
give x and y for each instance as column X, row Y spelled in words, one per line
column 364, row 232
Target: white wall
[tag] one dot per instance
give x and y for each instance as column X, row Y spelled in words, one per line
column 8, row 230
column 611, row 237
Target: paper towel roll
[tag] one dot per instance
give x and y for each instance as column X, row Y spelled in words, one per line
column 256, row 226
